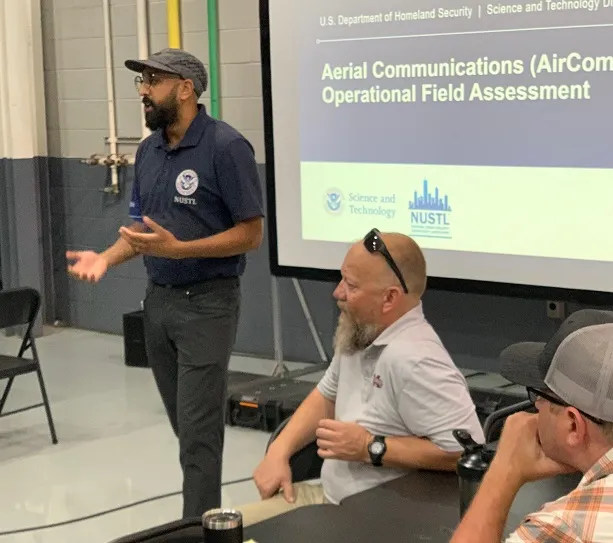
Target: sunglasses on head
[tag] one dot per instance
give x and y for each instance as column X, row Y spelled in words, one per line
column 374, row 244
column 534, row 394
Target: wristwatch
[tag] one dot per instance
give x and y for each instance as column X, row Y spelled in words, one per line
column 376, row 450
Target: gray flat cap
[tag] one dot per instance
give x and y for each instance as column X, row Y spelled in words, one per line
column 174, row 61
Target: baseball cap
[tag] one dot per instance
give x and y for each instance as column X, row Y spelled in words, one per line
column 174, row 61
column 576, row 364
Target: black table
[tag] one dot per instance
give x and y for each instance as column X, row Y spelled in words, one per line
column 422, row 503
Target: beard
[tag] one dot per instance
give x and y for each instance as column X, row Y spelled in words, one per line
column 352, row 336
column 162, row 115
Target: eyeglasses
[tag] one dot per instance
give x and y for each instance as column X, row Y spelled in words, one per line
column 152, row 79
column 534, row 395
column 374, row 244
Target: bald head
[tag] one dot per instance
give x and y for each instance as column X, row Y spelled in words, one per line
column 406, row 254
column 370, row 295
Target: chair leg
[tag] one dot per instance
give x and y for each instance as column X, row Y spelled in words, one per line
column 47, row 406
column 5, row 394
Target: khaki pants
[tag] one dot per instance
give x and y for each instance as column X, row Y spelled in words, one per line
column 305, row 493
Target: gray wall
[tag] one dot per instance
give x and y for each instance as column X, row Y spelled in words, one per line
column 73, row 36
column 3, row 221
column 475, row 328
column 84, row 217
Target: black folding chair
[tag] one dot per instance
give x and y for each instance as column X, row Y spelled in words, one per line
column 305, row 464
column 19, row 307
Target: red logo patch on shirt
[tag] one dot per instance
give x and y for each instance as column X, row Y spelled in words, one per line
column 376, row 381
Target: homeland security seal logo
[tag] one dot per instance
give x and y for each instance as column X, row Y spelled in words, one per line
column 187, row 182
column 334, row 201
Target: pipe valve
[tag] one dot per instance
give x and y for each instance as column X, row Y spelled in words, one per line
column 122, row 160
column 93, row 160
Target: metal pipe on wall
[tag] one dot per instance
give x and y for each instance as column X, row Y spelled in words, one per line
column 174, row 41
column 213, row 27
column 174, row 23
column 142, row 31
column 110, row 89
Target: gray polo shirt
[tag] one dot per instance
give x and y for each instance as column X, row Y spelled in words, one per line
column 404, row 384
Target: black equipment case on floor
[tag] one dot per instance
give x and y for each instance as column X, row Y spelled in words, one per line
column 263, row 404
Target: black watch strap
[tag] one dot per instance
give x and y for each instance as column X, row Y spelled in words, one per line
column 376, row 450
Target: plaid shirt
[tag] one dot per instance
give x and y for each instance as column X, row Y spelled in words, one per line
column 584, row 515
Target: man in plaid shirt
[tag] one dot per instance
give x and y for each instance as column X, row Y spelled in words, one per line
column 570, row 379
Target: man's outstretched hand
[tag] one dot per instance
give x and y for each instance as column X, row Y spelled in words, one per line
column 87, row 265
column 157, row 242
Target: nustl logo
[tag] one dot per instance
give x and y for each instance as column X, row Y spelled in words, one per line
column 334, row 201
column 430, row 213
column 187, row 182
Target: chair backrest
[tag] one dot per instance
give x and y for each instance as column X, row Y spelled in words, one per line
column 495, row 422
column 18, row 306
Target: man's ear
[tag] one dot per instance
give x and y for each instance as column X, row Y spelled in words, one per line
column 575, row 426
column 187, row 89
column 391, row 296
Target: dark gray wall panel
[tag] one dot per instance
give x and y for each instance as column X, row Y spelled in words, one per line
column 24, row 187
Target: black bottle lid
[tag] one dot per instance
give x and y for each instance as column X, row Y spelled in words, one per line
column 476, row 459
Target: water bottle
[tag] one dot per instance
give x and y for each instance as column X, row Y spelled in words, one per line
column 471, row 466
column 222, row 526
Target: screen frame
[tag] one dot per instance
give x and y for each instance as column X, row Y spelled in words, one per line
column 468, row 286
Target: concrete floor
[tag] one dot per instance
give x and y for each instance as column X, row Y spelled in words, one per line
column 115, row 445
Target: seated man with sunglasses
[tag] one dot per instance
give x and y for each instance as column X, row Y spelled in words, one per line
column 570, row 380
column 390, row 398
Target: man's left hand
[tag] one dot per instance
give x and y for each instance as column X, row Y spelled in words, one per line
column 343, row 441
column 159, row 242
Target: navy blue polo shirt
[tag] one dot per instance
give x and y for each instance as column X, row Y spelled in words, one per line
column 204, row 186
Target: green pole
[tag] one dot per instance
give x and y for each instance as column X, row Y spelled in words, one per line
column 213, row 23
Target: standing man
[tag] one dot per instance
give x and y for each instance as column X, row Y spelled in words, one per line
column 197, row 209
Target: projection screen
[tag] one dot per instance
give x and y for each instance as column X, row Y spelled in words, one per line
column 481, row 130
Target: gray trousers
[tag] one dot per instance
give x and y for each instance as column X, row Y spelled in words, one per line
column 189, row 335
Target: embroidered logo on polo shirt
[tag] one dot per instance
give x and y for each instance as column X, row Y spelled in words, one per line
column 377, row 381
column 187, row 182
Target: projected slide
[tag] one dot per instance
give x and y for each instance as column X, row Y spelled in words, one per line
column 481, row 129
column 468, row 127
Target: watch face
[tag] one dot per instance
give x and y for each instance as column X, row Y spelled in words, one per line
column 376, row 447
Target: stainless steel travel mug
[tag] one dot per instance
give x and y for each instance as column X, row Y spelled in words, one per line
column 222, row 526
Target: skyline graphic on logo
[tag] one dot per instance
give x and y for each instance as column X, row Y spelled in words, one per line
column 429, row 202
column 430, row 213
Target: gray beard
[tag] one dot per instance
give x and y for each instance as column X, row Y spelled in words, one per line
column 351, row 336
